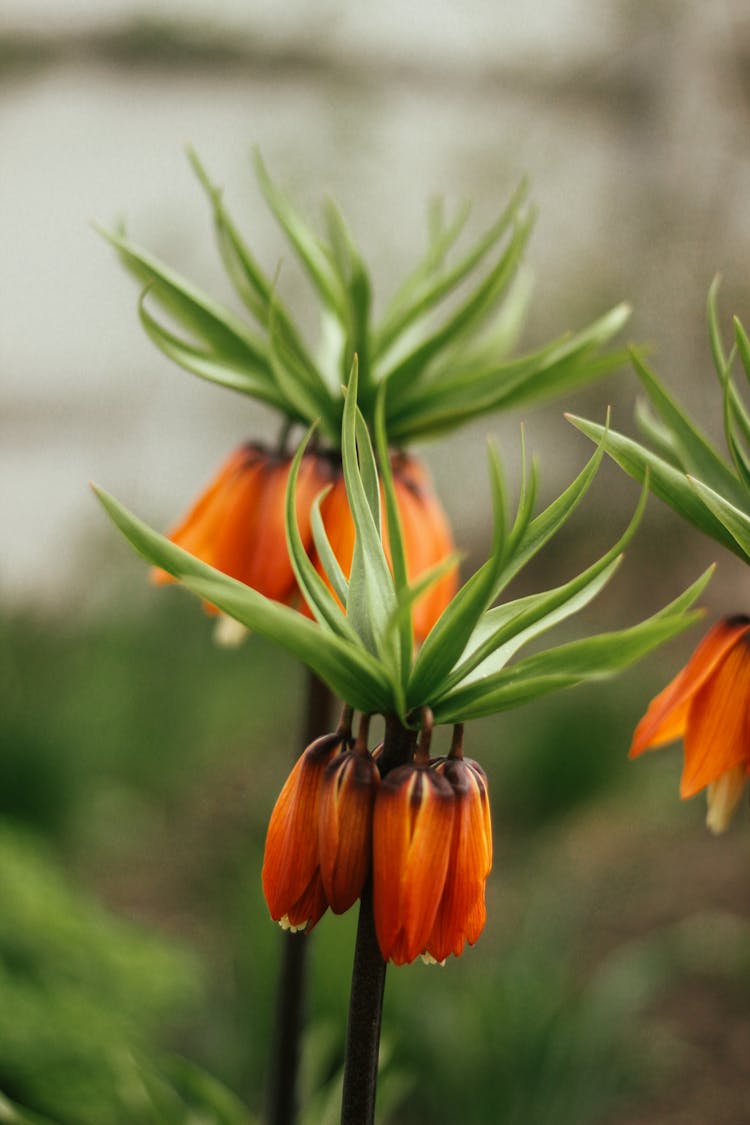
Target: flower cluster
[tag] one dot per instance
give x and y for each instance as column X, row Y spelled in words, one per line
column 423, row 831
column 238, row 525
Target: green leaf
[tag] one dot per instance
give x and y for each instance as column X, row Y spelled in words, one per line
column 743, row 345
column 592, row 658
column 371, row 598
column 721, row 363
column 501, row 633
column 656, row 434
column 319, row 598
column 308, row 248
column 348, row 670
column 544, row 526
column 355, row 284
column 736, row 522
column 305, row 392
column 450, row 634
column 403, row 621
column 441, row 239
column 666, row 482
column 466, row 317
column 424, row 298
column 697, row 455
column 236, row 376
column 330, row 563
column 226, row 335
column 446, row 400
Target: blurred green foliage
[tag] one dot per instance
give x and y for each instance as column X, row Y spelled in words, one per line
column 138, row 766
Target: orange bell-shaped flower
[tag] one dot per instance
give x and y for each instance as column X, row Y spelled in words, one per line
column 291, row 876
column 708, row 705
column 461, row 913
column 238, row 524
column 348, row 790
column 427, row 535
column 412, row 833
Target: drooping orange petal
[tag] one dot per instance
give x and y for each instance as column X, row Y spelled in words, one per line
column 716, row 739
column 291, row 862
column 412, row 829
column 461, row 912
column 667, row 714
column 307, row 911
column 200, row 529
column 347, row 797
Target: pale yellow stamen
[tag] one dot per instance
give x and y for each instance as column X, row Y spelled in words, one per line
column 228, row 633
column 287, row 925
column 430, row 960
column 723, row 796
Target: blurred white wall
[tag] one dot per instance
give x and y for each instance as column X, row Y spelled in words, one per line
column 631, row 119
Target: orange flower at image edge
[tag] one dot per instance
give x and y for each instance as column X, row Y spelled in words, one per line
column 237, row 525
column 708, row 706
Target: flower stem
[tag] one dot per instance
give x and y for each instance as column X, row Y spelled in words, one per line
column 292, row 987
column 368, row 974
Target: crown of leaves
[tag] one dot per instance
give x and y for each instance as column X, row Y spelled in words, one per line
column 442, row 346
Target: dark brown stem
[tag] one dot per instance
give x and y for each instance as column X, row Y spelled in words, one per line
column 368, row 974
column 292, row 988
column 365, row 1014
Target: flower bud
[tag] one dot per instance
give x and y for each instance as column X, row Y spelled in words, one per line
column 347, row 796
column 291, row 872
column 412, row 832
column 461, row 912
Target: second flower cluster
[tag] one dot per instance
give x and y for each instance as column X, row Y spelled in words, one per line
column 420, row 829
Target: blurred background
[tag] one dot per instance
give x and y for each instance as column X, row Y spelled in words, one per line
column 137, row 964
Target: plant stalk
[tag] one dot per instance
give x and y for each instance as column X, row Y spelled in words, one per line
column 368, row 974
column 292, row 986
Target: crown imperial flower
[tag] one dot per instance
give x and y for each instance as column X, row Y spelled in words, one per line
column 291, row 876
column 412, row 830
column 461, row 912
column 706, row 705
column 348, row 789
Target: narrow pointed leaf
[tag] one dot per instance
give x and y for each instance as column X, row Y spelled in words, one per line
column 219, row 327
column 659, row 438
column 348, row 670
column 697, row 455
column 319, row 598
column 544, row 526
column 441, row 239
column 449, row 636
column 308, row 248
column 666, row 482
column 743, row 345
column 236, row 376
column 404, row 621
column 493, row 643
column 371, row 598
column 736, row 522
column 589, row 659
column 331, row 566
column 435, row 292
column 467, row 316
